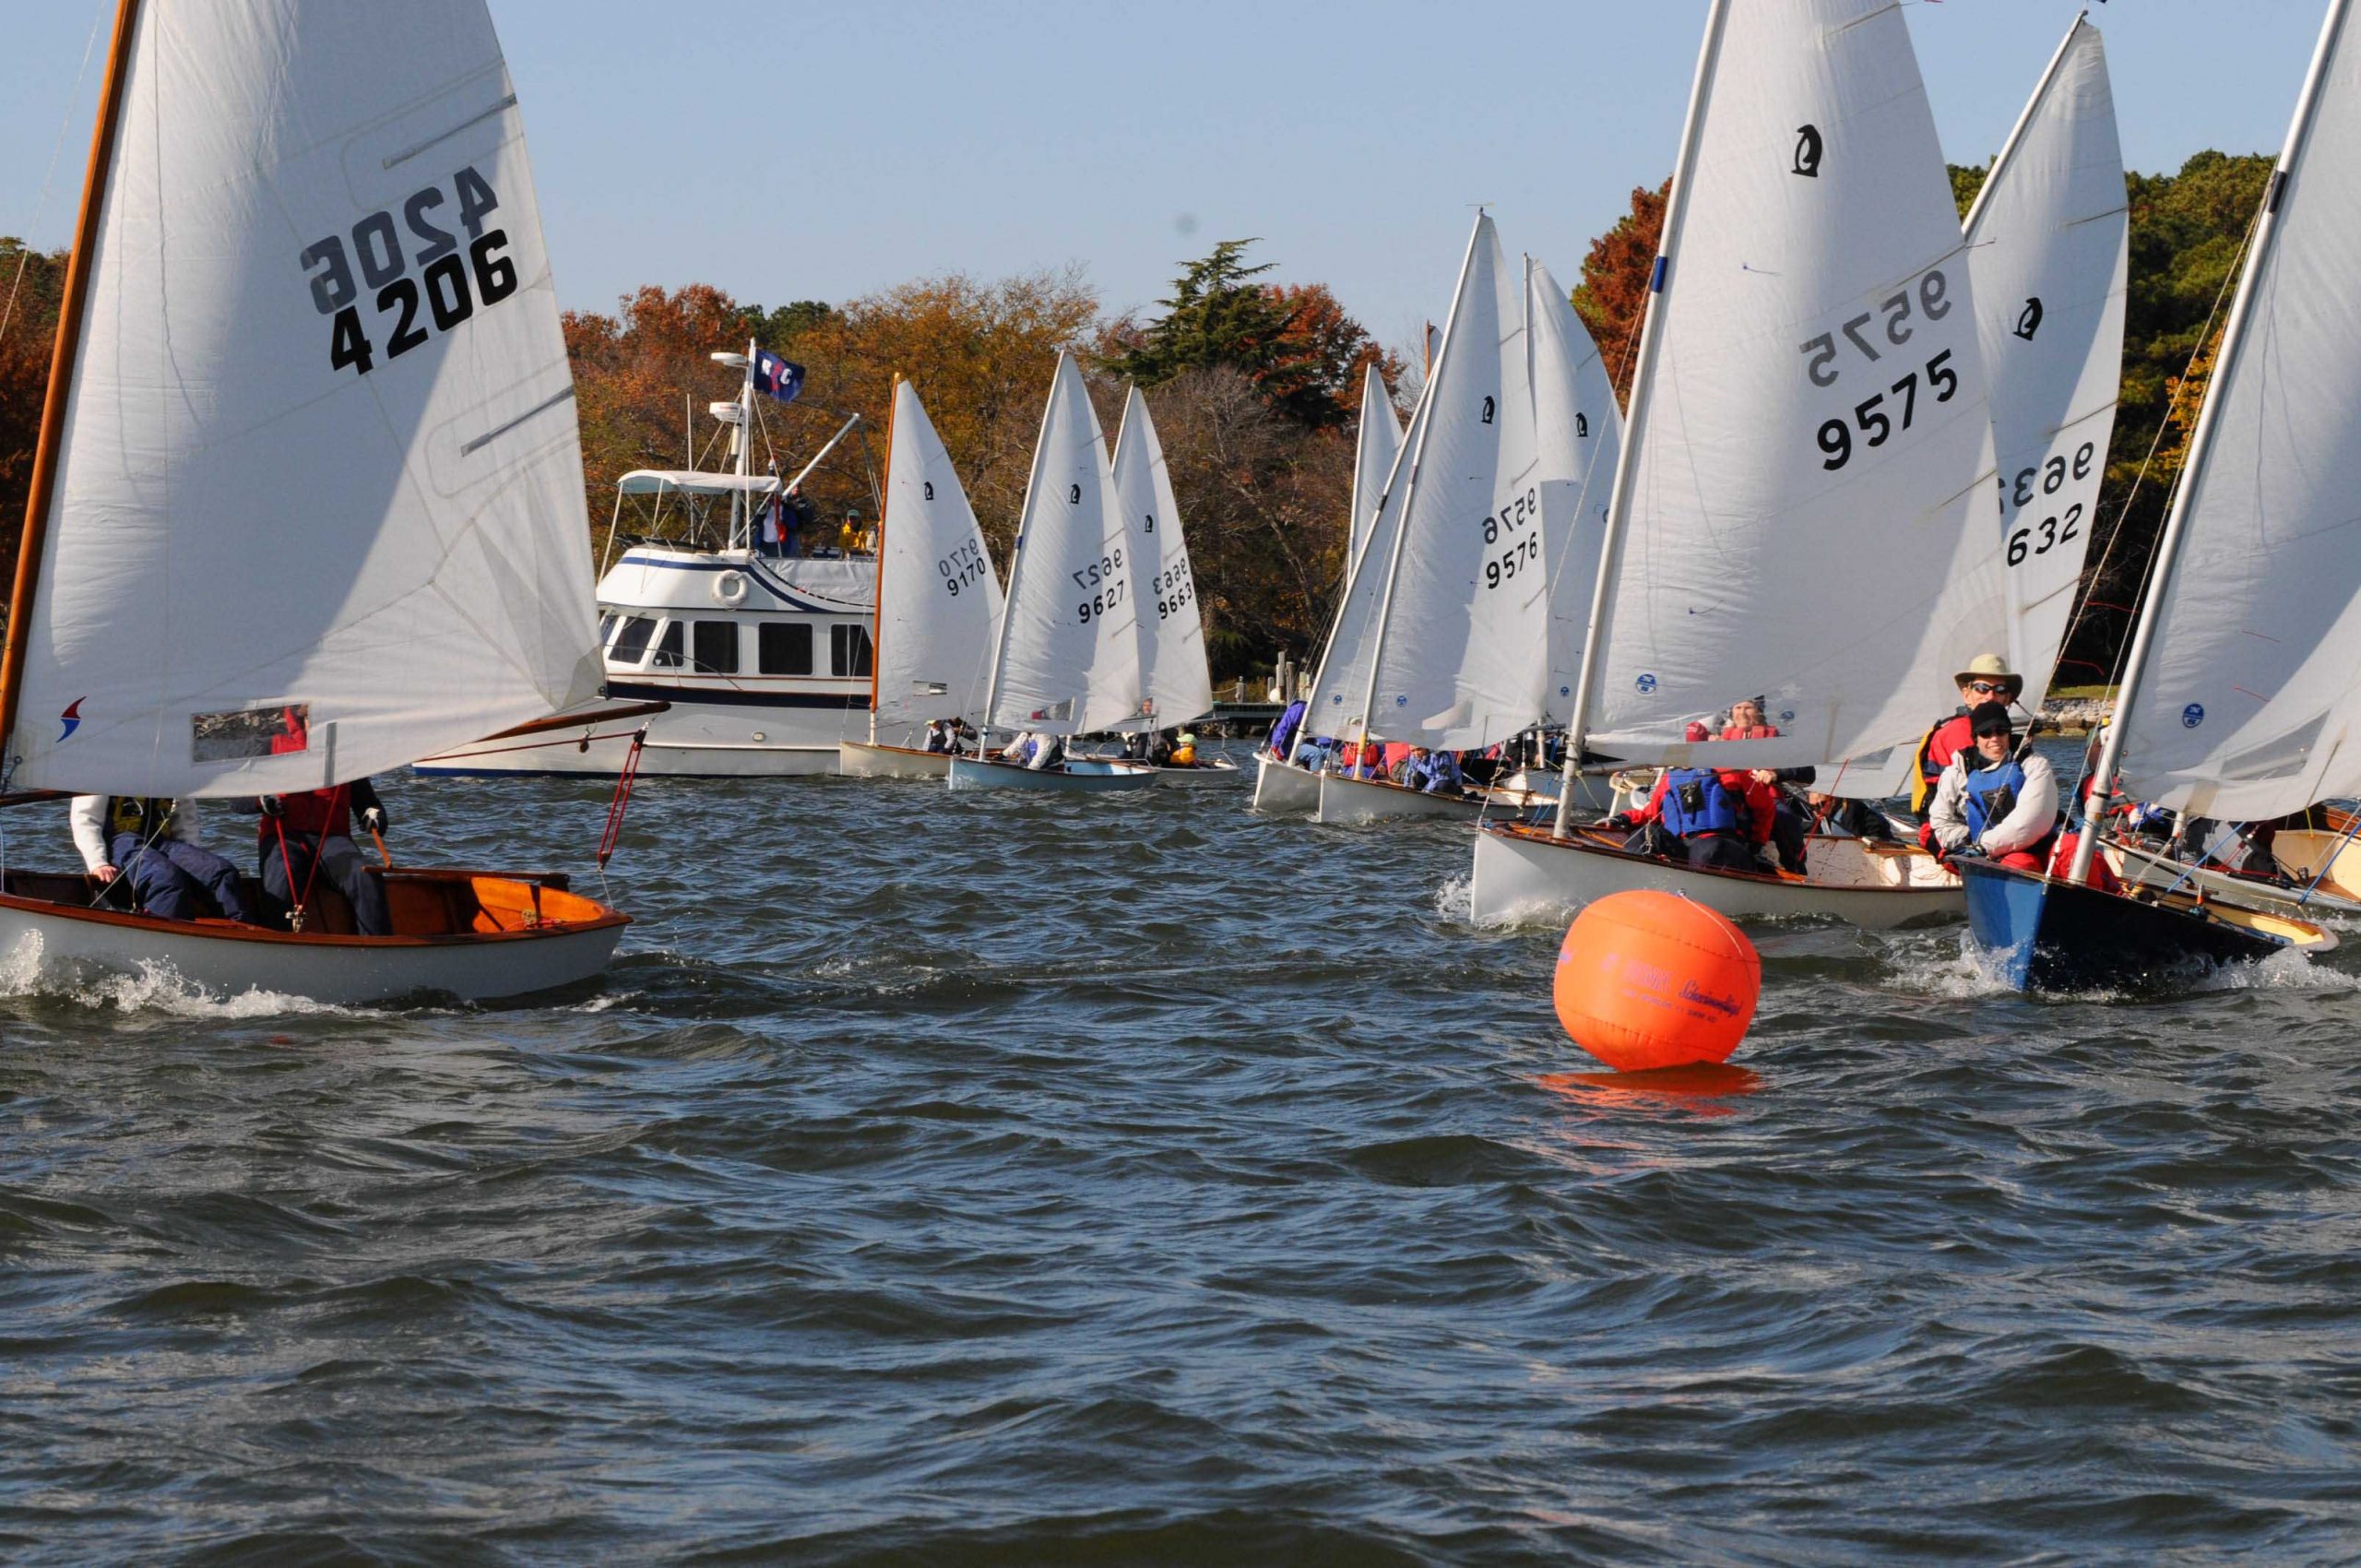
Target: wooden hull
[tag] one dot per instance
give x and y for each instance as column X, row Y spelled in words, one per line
column 474, row 936
column 859, row 759
column 2138, row 863
column 2045, row 935
column 2305, row 852
column 1077, row 777
column 1283, row 788
column 1524, row 874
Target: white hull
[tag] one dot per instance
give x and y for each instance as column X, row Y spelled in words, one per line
column 859, row 759
column 51, row 943
column 1205, row 776
column 1077, row 777
column 1284, row 786
column 692, row 740
column 1345, row 800
column 2133, row 864
column 1535, row 879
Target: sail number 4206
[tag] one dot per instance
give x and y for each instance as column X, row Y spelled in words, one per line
column 451, row 280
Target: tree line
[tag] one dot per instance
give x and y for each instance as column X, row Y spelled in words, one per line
column 1254, row 384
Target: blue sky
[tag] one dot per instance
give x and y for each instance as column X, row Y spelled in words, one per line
column 822, row 150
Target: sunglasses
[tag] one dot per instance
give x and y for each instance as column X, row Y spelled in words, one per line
column 1988, row 688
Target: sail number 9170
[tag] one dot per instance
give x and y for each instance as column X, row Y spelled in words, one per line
column 450, row 282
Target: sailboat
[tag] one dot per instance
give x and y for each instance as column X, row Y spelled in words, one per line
column 1067, row 659
column 1283, row 784
column 937, row 602
column 307, row 501
column 2239, row 695
column 1804, row 505
column 1176, row 683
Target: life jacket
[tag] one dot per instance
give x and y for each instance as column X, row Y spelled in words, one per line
column 322, row 813
column 142, row 814
column 1930, row 766
column 1183, row 755
column 1992, row 794
column 1750, row 732
column 1696, row 800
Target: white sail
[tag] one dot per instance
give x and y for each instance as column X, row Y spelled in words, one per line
column 2049, row 245
column 1578, row 431
column 1334, row 703
column 938, row 598
column 2248, row 708
column 1809, row 512
column 1070, row 656
column 1173, row 674
column 320, row 508
column 1374, row 449
column 1467, row 605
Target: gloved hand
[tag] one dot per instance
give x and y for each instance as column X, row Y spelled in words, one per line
column 272, row 805
column 1968, row 853
column 374, row 819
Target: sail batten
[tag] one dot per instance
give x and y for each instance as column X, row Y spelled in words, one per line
column 322, row 411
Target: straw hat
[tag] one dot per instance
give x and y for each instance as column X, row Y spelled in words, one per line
column 1992, row 667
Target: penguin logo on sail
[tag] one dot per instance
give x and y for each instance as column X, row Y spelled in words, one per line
column 2029, row 318
column 929, row 490
column 1073, row 495
column 2192, row 716
column 72, row 718
column 1808, row 152
column 1488, row 411
column 1582, row 425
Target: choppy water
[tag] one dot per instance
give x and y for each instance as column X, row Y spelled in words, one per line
column 1007, row 1179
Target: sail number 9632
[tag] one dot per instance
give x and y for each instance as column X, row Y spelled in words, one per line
column 449, row 284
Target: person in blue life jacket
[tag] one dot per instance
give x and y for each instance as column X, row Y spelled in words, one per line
column 1994, row 803
column 1711, row 819
column 1444, row 775
column 144, row 850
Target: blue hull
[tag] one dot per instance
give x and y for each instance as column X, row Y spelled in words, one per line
column 2054, row 936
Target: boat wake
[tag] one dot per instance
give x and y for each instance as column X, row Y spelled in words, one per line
column 154, row 988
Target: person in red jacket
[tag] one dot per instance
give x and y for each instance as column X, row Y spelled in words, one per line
column 302, row 837
column 1714, row 819
column 1988, row 679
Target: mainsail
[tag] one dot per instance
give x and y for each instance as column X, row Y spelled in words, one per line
column 1342, row 680
column 1578, row 430
column 1374, row 449
column 2247, row 708
column 938, row 598
column 1069, row 660
column 1806, row 509
column 1465, row 603
column 318, row 508
column 1173, row 673
column 2048, row 245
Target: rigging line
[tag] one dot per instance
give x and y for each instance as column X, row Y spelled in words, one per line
column 41, row 202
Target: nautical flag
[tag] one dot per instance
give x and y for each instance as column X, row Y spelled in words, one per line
column 781, row 378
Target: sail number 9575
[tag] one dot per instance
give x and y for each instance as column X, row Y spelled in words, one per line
column 451, row 283
column 1875, row 419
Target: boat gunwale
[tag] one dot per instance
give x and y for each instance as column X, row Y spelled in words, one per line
column 1537, row 835
column 234, row 930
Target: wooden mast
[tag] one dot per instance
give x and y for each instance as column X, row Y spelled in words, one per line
column 61, row 375
column 877, row 609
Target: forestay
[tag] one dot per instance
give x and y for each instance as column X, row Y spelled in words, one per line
column 320, row 508
column 1376, row 445
column 1173, row 673
column 1811, row 511
column 1578, row 431
column 2248, row 709
column 2048, row 243
column 938, row 598
column 1467, row 606
column 1069, row 652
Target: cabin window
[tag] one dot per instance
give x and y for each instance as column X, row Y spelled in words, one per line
column 784, row 647
column 716, row 646
column 667, row 647
column 848, row 651
column 631, row 643
column 607, row 628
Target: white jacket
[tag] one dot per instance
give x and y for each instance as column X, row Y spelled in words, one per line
column 2031, row 821
column 87, row 817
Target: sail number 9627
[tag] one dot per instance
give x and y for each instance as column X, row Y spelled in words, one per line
column 1104, row 575
column 450, row 282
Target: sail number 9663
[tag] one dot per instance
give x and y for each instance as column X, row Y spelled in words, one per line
column 451, row 281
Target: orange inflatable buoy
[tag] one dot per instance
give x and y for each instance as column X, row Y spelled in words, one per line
column 1650, row 980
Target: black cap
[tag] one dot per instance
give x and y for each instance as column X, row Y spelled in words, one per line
column 1991, row 718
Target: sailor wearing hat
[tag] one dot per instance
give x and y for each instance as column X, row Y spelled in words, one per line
column 1988, row 680
column 1994, row 803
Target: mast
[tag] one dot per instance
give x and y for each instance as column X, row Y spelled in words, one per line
column 61, row 376
column 1619, row 504
column 1016, row 564
column 877, row 610
column 1410, row 492
column 2017, row 132
column 741, row 442
column 2200, row 441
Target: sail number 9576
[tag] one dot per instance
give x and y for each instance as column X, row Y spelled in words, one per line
column 1517, row 521
column 450, row 282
